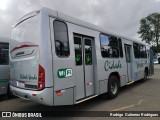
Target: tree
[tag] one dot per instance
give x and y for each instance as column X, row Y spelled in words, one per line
column 150, row 29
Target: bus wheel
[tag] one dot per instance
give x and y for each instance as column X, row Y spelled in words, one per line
column 145, row 75
column 9, row 93
column 113, row 87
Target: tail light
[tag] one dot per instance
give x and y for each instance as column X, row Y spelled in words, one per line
column 41, row 78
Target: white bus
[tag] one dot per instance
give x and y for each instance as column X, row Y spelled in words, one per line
column 4, row 65
column 60, row 60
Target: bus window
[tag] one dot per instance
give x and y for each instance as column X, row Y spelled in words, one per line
column 78, row 50
column 88, row 52
column 61, row 39
column 143, row 52
column 120, row 47
column 136, row 50
column 109, row 46
column 4, row 57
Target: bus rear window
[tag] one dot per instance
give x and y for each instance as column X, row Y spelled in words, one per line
column 27, row 30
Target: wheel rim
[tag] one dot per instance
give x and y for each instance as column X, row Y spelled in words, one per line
column 114, row 87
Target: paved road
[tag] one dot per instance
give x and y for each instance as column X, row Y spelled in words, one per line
column 140, row 96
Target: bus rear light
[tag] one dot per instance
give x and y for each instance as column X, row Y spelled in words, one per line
column 33, row 94
column 41, row 78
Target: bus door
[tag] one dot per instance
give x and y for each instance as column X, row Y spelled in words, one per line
column 129, row 62
column 83, row 66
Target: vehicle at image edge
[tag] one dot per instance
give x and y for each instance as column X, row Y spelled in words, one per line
column 4, row 65
column 156, row 57
column 61, row 60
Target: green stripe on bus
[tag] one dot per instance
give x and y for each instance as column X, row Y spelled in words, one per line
column 3, row 80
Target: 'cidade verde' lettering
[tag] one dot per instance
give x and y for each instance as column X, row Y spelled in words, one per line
column 109, row 65
column 28, row 77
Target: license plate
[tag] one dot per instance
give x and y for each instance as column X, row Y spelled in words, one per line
column 20, row 84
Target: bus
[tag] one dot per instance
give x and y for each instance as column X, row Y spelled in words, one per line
column 4, row 65
column 61, row 60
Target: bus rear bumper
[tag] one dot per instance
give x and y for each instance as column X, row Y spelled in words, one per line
column 43, row 97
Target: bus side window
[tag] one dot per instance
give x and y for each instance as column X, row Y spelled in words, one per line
column 109, row 46
column 78, row 50
column 143, row 51
column 4, row 53
column 136, row 50
column 61, row 39
column 88, row 52
column 120, row 47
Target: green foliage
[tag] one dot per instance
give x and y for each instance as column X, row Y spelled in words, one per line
column 154, row 49
column 150, row 29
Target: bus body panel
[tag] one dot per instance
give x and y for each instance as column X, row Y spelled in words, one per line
column 45, row 49
column 24, row 73
column 42, row 97
column 28, row 55
column 24, row 53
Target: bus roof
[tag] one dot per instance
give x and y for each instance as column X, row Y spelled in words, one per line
column 79, row 22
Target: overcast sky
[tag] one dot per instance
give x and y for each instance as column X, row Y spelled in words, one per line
column 121, row 16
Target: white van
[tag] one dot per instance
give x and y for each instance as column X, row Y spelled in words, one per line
column 61, row 60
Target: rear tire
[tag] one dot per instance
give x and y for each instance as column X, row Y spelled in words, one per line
column 9, row 93
column 113, row 87
column 145, row 75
